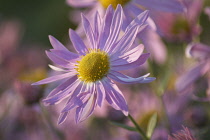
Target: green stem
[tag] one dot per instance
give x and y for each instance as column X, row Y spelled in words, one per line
column 141, row 132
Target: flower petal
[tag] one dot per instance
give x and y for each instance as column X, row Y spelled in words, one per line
column 59, row 61
column 77, row 101
column 139, row 20
column 78, row 98
column 100, row 93
column 77, row 43
column 198, row 50
column 191, row 76
column 56, row 44
column 127, row 40
column 119, row 77
column 62, row 117
column 156, row 47
column 62, row 86
column 141, row 60
column 106, row 27
column 97, row 27
column 88, row 31
column 128, row 57
column 57, row 68
column 71, row 89
column 115, row 97
column 86, row 109
column 115, row 28
column 55, row 78
column 66, row 55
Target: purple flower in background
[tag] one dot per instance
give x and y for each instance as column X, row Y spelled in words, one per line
column 90, row 73
column 181, row 26
column 200, row 52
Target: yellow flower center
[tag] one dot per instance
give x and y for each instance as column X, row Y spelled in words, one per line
column 114, row 3
column 93, row 66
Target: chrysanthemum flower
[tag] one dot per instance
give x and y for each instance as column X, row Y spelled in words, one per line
column 90, row 73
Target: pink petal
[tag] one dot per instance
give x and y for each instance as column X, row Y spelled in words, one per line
column 106, row 27
column 55, row 78
column 86, row 109
column 60, row 96
column 101, row 93
column 88, row 31
column 56, row 44
column 115, row 28
column 119, row 77
column 141, row 60
column 77, row 43
column 128, row 57
column 139, row 20
column 62, row 117
column 115, row 96
column 198, row 50
column 190, row 77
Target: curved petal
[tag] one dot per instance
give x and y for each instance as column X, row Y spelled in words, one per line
column 59, row 61
column 77, row 101
column 115, row 28
column 66, row 55
column 156, row 47
column 119, row 77
column 100, row 93
column 128, row 57
column 56, row 44
column 198, row 50
column 139, row 20
column 86, row 109
column 126, row 41
column 191, row 76
column 62, row 86
column 141, row 60
column 162, row 5
column 62, row 117
column 77, row 43
column 114, row 96
column 97, row 27
column 55, row 78
column 78, row 98
column 57, row 68
column 106, row 27
column 88, row 31
column 81, row 3
column 60, row 96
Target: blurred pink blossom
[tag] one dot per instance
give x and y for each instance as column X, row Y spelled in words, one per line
column 201, row 52
column 182, row 26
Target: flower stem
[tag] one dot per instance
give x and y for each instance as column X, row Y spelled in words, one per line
column 141, row 132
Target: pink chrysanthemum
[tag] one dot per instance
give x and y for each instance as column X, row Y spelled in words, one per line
column 89, row 73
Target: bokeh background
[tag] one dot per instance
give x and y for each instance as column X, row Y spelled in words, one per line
column 24, row 29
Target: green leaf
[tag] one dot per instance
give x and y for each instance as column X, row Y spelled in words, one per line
column 124, row 126
column 151, row 125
